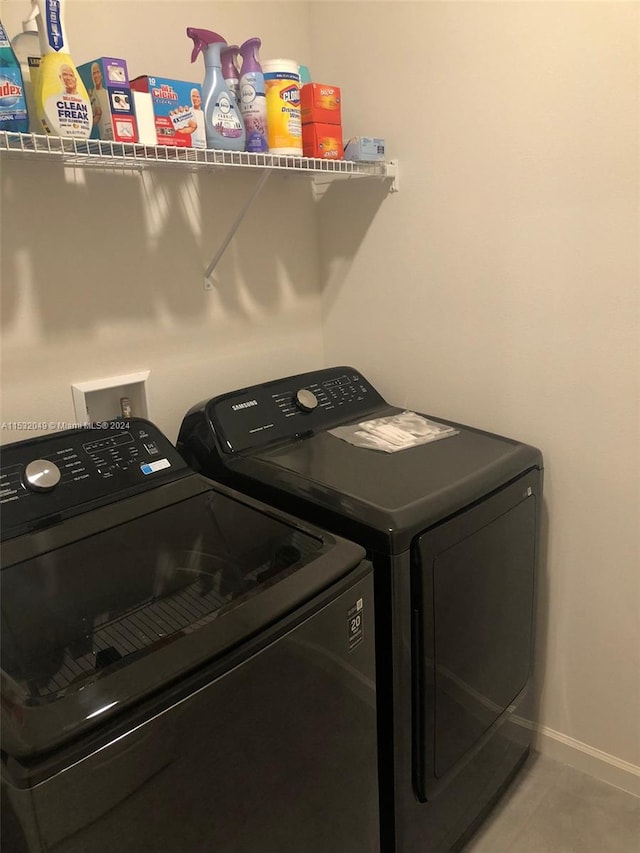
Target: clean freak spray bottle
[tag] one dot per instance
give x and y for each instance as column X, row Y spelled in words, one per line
column 62, row 103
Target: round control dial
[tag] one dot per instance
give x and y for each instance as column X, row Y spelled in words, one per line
column 305, row 400
column 41, row 475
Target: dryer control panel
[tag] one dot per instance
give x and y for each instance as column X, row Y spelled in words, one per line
column 286, row 408
column 71, row 471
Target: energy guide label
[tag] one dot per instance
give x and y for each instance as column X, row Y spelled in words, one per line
column 355, row 620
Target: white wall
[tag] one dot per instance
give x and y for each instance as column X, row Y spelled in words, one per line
column 111, row 279
column 500, row 288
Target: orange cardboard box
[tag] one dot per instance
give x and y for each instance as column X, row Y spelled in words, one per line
column 323, row 141
column 320, row 103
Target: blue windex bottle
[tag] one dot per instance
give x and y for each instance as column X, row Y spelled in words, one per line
column 13, row 107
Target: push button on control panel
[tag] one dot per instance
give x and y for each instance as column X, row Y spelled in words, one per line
column 41, row 475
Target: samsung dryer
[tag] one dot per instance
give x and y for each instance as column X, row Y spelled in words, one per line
column 452, row 529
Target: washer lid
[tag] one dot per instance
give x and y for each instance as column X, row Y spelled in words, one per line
column 393, row 495
column 91, row 626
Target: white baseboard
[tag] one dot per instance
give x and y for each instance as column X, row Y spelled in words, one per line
column 587, row 759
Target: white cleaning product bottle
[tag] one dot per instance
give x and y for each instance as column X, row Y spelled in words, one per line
column 63, row 107
column 26, row 46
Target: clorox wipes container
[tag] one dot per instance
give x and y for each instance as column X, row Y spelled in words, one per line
column 282, row 91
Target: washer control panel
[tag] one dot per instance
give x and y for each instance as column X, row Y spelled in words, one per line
column 55, row 473
column 291, row 407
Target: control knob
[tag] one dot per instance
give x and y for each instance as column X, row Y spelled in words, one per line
column 305, row 400
column 41, row 475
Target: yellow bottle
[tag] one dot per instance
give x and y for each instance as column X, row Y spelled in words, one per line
column 62, row 104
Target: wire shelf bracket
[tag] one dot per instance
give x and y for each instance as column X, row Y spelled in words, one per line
column 208, row 280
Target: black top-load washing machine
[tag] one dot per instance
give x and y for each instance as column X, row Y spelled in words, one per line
column 451, row 527
column 183, row 668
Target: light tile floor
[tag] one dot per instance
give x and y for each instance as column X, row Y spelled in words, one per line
column 552, row 808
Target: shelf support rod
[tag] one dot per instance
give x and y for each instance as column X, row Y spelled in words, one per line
column 208, row 285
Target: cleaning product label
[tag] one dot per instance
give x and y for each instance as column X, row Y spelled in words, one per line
column 10, row 93
column 284, row 125
column 63, row 103
column 224, row 118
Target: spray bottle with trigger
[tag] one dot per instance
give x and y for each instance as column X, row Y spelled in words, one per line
column 62, row 103
column 253, row 103
column 223, row 122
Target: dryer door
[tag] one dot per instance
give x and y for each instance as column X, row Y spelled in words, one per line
column 473, row 601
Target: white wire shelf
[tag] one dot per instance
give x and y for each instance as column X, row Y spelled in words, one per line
column 129, row 156
column 96, row 153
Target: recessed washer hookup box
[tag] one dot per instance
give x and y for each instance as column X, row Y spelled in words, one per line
column 169, row 112
column 107, row 82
